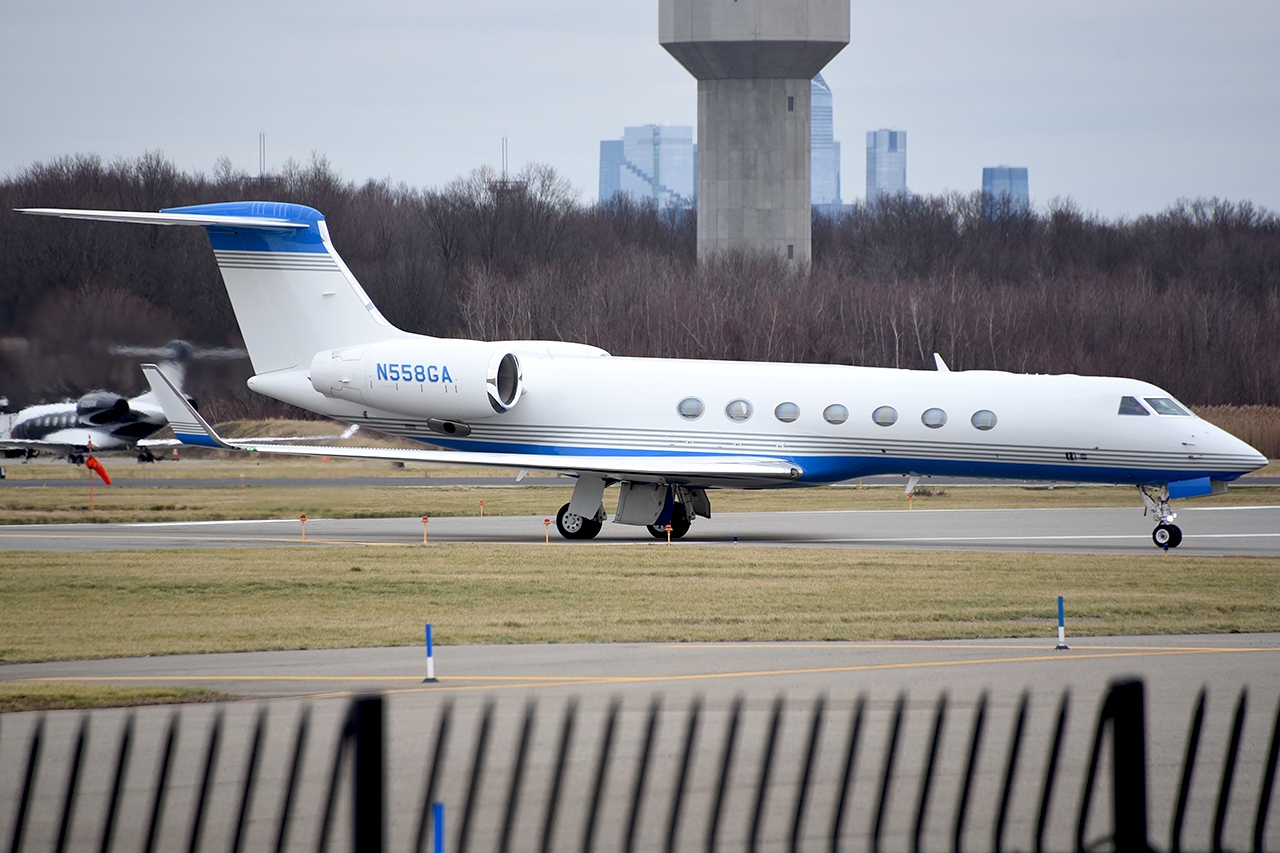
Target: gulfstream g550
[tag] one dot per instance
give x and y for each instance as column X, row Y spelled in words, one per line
column 664, row 430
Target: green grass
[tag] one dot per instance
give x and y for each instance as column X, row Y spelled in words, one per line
column 62, row 606
column 62, row 695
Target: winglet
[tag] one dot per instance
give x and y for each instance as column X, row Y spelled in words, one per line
column 186, row 422
column 942, row 365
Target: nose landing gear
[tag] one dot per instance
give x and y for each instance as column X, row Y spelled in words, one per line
column 1167, row 534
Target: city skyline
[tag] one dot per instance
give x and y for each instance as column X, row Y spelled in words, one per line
column 1108, row 105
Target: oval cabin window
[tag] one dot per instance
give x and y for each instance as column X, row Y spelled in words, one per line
column 738, row 410
column 690, row 408
column 788, row 413
column 885, row 416
column 933, row 418
column 835, row 414
column 984, row 420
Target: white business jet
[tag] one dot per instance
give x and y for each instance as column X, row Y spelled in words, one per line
column 664, row 430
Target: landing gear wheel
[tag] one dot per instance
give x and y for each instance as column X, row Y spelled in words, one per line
column 1167, row 536
column 679, row 525
column 572, row 526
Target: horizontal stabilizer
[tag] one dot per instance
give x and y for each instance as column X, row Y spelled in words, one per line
column 191, row 428
column 138, row 218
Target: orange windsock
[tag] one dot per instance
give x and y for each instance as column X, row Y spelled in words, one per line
column 94, row 465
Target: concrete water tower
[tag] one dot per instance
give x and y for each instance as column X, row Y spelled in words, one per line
column 754, row 60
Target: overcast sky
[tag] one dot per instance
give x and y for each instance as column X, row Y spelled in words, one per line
column 1122, row 106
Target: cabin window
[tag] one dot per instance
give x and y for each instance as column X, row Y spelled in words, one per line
column 739, row 410
column 1131, row 406
column 835, row 414
column 690, row 408
column 885, row 416
column 933, row 418
column 1166, row 406
column 788, row 413
column 983, row 420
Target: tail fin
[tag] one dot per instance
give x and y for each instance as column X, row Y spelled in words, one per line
column 292, row 295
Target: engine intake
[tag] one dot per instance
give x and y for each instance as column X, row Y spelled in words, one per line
column 438, row 379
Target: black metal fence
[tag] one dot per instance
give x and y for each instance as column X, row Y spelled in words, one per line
column 816, row 816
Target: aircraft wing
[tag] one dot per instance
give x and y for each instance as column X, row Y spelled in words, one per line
column 191, row 428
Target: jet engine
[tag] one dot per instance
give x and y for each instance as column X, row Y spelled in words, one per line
column 101, row 407
column 435, row 378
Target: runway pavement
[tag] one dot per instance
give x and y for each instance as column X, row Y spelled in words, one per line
column 1227, row 531
column 712, row 675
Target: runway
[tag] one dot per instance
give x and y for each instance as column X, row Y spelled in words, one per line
column 1208, row 531
column 545, row 679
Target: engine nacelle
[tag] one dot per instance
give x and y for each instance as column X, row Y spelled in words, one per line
column 100, row 407
column 435, row 378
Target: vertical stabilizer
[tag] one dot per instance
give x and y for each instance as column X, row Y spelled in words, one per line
column 292, row 294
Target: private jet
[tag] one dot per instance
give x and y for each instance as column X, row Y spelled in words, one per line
column 666, row 432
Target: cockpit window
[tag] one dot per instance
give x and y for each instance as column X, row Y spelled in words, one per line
column 1131, row 406
column 1166, row 406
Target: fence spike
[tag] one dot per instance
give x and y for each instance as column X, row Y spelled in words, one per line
column 1268, row 781
column 690, row 734
column 246, row 794
column 73, row 783
column 1229, row 772
column 886, row 777
column 637, row 791
column 117, row 786
column 28, row 785
column 335, row 773
column 477, row 773
column 602, row 766
column 966, row 787
column 517, row 778
column 850, row 762
column 762, row 789
column 295, row 766
column 162, row 785
column 811, row 754
column 432, row 782
column 1010, row 770
column 1051, row 772
column 206, row 784
column 939, row 718
column 1188, row 768
column 557, row 780
column 726, row 760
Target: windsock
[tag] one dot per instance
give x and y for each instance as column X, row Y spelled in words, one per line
column 96, row 466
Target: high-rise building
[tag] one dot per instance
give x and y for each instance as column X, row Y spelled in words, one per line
column 824, row 150
column 886, row 163
column 1002, row 181
column 651, row 161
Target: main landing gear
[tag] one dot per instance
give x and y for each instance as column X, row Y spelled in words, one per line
column 1167, row 534
column 653, row 506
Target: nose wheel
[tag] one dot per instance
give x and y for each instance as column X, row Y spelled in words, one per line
column 1167, row 536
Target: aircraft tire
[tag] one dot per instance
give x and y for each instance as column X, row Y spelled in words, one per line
column 679, row 525
column 1167, row 536
column 572, row 526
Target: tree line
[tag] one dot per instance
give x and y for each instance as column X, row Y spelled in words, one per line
column 1188, row 298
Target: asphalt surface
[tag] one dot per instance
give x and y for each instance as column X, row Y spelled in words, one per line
column 1226, row 531
column 548, row 678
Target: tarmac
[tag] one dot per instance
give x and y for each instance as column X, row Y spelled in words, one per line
column 1208, row 531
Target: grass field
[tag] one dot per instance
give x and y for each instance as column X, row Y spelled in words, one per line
column 61, row 606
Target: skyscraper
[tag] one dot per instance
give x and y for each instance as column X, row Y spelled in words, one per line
column 824, row 156
column 886, row 163
column 650, row 161
column 1010, row 181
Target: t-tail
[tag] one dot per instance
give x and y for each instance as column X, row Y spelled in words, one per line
column 292, row 294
